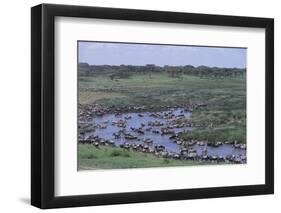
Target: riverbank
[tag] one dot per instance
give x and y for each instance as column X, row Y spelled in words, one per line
column 107, row 157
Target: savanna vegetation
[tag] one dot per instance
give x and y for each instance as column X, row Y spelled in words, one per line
column 221, row 90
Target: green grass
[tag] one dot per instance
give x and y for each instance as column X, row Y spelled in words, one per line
column 161, row 89
column 117, row 158
column 217, row 134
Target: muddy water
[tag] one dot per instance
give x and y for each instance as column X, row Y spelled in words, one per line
column 137, row 119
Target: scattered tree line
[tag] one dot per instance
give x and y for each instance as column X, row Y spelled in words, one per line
column 126, row 71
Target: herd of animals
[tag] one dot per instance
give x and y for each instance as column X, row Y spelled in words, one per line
column 165, row 123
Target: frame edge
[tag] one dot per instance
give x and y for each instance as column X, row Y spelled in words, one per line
column 36, row 156
column 269, row 104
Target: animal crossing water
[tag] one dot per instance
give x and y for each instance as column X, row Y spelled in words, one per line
column 153, row 129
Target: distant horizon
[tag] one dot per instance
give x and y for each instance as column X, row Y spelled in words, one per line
column 132, row 54
column 160, row 65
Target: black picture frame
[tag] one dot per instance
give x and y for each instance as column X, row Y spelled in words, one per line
column 43, row 102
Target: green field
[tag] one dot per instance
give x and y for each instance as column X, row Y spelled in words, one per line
column 117, row 158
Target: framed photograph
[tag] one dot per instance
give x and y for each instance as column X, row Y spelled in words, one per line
column 139, row 106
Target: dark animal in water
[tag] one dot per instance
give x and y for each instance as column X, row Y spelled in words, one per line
column 128, row 117
column 159, row 148
column 173, row 136
column 130, row 137
column 116, row 134
column 148, row 141
column 166, row 131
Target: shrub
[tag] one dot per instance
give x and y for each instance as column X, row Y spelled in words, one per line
column 91, row 156
column 166, row 161
column 121, row 153
column 115, row 153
